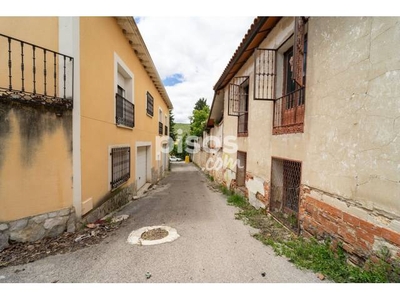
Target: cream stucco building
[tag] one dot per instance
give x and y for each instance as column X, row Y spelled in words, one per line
column 82, row 113
column 313, row 105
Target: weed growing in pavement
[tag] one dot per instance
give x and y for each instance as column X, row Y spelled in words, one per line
column 238, row 201
column 225, row 190
column 319, row 256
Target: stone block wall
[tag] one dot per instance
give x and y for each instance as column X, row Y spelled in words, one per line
column 33, row 228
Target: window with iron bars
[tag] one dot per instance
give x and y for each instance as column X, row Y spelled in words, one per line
column 125, row 110
column 285, row 191
column 239, row 103
column 150, row 105
column 120, row 166
column 166, row 130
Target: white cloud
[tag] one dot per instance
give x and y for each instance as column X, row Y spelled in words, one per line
column 199, row 48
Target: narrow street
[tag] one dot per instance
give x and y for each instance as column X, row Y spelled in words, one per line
column 212, row 247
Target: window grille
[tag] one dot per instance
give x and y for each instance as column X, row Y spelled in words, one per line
column 285, row 191
column 120, row 166
column 150, row 104
column 265, row 74
column 125, row 111
column 236, row 93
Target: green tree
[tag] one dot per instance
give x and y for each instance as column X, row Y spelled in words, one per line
column 172, row 125
column 200, row 104
column 199, row 117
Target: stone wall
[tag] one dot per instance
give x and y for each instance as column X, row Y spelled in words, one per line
column 33, row 228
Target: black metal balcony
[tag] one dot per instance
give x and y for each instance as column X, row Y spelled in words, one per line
column 35, row 75
column 125, row 112
column 160, row 128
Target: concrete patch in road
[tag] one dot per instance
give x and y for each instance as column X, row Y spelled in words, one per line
column 134, row 237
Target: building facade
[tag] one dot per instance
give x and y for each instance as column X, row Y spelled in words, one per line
column 82, row 113
column 313, row 106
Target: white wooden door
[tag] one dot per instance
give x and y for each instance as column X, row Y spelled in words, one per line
column 141, row 160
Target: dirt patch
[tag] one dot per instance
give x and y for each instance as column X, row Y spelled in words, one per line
column 154, row 234
column 21, row 253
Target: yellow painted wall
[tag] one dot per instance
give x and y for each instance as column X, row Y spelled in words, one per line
column 35, row 163
column 35, row 144
column 100, row 38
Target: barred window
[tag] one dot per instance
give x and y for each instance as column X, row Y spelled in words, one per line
column 285, row 190
column 150, row 104
column 120, row 166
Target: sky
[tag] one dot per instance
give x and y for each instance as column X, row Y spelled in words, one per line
column 190, row 54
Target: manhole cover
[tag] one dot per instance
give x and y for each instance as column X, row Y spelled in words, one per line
column 152, row 235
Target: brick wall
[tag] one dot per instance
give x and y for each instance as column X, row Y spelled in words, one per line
column 358, row 236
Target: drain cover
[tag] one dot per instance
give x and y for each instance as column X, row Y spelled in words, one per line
column 152, row 235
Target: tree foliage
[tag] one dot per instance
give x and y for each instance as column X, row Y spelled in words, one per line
column 199, row 117
column 172, row 125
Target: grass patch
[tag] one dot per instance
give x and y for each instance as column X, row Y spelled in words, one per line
column 238, row 201
column 324, row 257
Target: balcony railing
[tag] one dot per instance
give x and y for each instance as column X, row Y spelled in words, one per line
column 289, row 112
column 125, row 112
column 160, row 128
column 33, row 74
column 166, row 130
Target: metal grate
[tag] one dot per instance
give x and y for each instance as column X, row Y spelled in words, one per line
column 238, row 90
column 265, row 74
column 120, row 166
column 289, row 110
column 150, row 104
column 243, row 122
column 125, row 111
column 285, row 190
column 160, row 128
column 241, row 168
column 30, row 73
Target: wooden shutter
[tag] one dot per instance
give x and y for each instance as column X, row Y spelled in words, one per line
column 298, row 50
column 265, row 74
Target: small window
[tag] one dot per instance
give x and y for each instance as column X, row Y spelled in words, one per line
column 243, row 114
column 160, row 124
column 150, row 105
column 241, row 168
column 120, row 166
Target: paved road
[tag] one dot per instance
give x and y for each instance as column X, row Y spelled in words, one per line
column 213, row 246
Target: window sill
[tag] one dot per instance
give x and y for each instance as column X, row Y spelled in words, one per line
column 289, row 129
column 121, row 185
column 124, row 127
column 246, row 134
column 150, row 116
